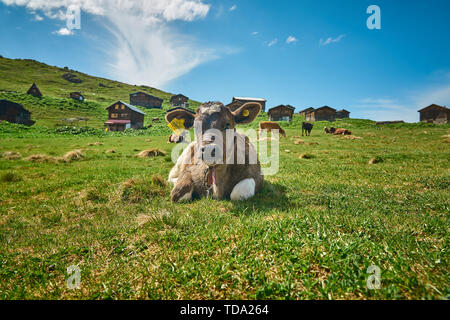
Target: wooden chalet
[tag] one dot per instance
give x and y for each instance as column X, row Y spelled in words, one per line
column 179, row 100
column 281, row 113
column 77, row 96
column 145, row 100
column 14, row 113
column 122, row 116
column 305, row 111
column 322, row 114
column 34, row 91
column 435, row 114
column 342, row 114
column 242, row 100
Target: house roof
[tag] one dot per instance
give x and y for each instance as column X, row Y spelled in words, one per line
column 129, row 106
column 434, row 106
column 343, row 110
column 325, row 107
column 178, row 95
column 282, row 106
column 131, row 94
column 307, row 109
column 18, row 105
column 249, row 99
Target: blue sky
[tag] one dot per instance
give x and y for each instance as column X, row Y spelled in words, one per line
column 214, row 50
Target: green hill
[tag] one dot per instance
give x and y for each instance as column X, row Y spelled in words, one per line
column 17, row 75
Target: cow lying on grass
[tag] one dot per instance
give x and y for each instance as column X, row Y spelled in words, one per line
column 307, row 128
column 337, row 132
column 269, row 126
column 212, row 165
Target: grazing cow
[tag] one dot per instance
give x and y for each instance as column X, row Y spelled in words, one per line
column 307, row 128
column 209, row 166
column 269, row 126
column 174, row 138
column 341, row 131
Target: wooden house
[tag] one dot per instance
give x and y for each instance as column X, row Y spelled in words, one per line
column 15, row 113
column 243, row 100
column 179, row 100
column 435, row 114
column 145, row 100
column 305, row 111
column 122, row 116
column 322, row 114
column 281, row 113
column 77, row 96
column 342, row 114
column 34, row 91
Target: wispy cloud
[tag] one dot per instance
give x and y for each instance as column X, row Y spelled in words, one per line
column 272, row 43
column 146, row 49
column 63, row 32
column 291, row 39
column 38, row 18
column 331, row 40
column 234, row 7
column 255, row 33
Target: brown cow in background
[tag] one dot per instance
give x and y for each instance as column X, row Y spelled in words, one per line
column 269, row 126
column 337, row 132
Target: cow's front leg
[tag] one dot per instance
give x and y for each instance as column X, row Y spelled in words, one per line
column 183, row 190
column 243, row 190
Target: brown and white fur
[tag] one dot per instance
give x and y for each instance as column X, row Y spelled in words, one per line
column 195, row 178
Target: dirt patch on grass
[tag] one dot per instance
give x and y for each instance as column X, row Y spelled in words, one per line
column 306, row 156
column 151, row 153
column 111, row 151
column 73, row 155
column 299, row 141
column 68, row 157
column 10, row 155
column 95, row 144
column 375, row 160
column 312, row 143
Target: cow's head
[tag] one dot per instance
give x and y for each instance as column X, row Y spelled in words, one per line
column 212, row 122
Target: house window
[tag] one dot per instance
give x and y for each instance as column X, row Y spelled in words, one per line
column 114, row 115
column 123, row 107
column 117, row 107
column 124, row 115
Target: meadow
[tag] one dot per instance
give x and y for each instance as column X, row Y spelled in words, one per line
column 337, row 206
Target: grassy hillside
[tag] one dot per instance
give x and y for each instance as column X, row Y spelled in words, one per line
column 17, row 75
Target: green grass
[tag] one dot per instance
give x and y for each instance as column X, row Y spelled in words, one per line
column 310, row 234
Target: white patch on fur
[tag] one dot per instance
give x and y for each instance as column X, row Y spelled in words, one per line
column 186, row 197
column 183, row 159
column 211, row 110
column 243, row 190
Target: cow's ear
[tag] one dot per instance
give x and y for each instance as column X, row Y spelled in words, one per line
column 247, row 113
column 180, row 115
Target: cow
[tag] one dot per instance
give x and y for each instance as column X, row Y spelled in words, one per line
column 269, row 126
column 307, row 128
column 329, row 131
column 342, row 131
column 209, row 166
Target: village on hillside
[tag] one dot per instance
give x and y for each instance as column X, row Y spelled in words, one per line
column 123, row 115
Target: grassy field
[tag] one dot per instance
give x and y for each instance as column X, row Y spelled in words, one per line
column 310, row 234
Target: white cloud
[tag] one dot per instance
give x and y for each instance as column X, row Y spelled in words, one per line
column 255, row 33
column 291, row 39
column 385, row 110
column 234, row 7
column 147, row 49
column 272, row 43
column 331, row 40
column 438, row 95
column 38, row 18
column 63, row 32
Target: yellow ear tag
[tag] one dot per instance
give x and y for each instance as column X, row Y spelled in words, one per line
column 246, row 113
column 177, row 126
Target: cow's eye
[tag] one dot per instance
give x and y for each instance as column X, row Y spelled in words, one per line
column 227, row 126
